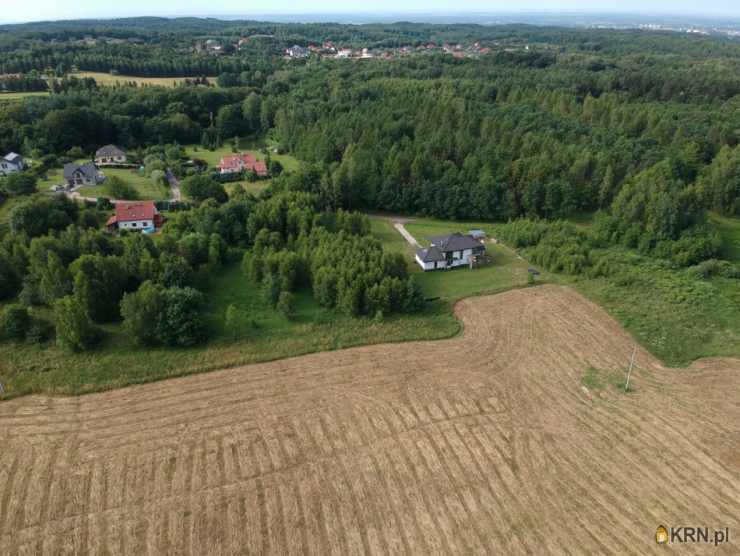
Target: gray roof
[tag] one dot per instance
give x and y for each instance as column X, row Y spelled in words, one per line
column 474, row 233
column 85, row 170
column 110, row 150
column 429, row 254
column 13, row 158
column 454, row 242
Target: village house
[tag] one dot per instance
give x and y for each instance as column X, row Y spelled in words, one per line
column 449, row 251
column 297, row 52
column 10, row 163
column 135, row 216
column 241, row 162
column 110, row 154
column 81, row 174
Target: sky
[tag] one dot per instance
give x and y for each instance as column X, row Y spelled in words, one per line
column 45, row 10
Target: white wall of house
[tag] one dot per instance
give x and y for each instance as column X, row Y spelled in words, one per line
column 423, row 265
column 111, row 159
column 8, row 168
column 459, row 258
column 135, row 224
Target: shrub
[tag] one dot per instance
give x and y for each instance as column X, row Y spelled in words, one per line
column 117, row 188
column 75, row 329
column 286, row 305
column 270, row 293
column 15, row 321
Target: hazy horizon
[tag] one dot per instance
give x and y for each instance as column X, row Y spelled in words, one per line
column 384, row 12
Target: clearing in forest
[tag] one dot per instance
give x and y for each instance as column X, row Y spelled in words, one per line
column 514, row 437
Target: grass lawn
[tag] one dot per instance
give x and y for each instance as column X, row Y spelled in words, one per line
column 22, row 95
column 109, row 80
column 148, row 190
column 249, row 146
column 729, row 229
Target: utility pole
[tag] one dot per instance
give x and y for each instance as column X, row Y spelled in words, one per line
column 634, row 351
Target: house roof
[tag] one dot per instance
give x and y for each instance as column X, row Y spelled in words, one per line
column 248, row 163
column 429, row 254
column 110, row 150
column 13, row 158
column 233, row 161
column 126, row 212
column 454, row 242
column 87, row 169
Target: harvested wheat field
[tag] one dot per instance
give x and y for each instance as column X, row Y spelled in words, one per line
column 499, row 441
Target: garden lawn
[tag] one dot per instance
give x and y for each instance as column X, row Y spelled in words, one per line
column 249, row 146
column 504, row 270
column 147, row 189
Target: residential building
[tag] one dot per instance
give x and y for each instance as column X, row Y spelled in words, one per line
column 242, row 162
column 81, row 174
column 134, row 216
column 110, row 154
column 10, row 163
column 449, row 251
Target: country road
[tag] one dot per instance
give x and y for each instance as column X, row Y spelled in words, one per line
column 174, row 185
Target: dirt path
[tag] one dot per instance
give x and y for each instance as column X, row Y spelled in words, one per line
column 174, row 185
column 398, row 223
column 492, row 442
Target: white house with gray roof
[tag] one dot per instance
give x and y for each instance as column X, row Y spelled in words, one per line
column 10, row 163
column 448, row 251
column 110, row 154
column 81, row 174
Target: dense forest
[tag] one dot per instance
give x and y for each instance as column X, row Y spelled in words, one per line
column 641, row 128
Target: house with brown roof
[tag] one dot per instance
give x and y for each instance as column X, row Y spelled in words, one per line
column 242, row 162
column 134, row 215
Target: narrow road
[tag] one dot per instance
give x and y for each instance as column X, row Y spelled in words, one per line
column 174, row 185
column 398, row 223
column 405, row 233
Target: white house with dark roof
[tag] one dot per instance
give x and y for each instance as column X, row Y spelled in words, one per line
column 448, row 251
column 110, row 154
column 10, row 163
column 81, row 174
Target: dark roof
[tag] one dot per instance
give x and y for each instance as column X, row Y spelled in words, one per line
column 429, row 254
column 454, row 242
column 13, row 158
column 87, row 169
column 110, row 150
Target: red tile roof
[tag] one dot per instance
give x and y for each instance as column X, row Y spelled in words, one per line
column 227, row 163
column 259, row 167
column 126, row 212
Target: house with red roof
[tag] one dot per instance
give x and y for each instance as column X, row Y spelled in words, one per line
column 133, row 215
column 241, row 162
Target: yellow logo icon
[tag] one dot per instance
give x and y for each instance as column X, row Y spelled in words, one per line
column 661, row 535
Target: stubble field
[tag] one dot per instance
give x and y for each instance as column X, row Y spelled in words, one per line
column 511, row 438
